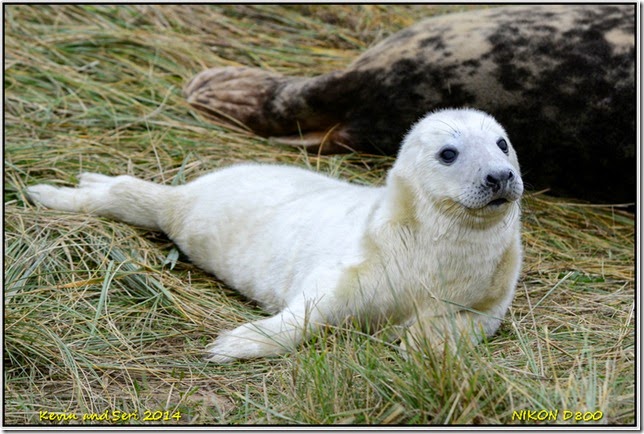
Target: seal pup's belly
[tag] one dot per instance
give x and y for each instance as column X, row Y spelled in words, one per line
column 270, row 230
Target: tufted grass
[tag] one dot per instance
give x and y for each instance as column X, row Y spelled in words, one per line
column 102, row 318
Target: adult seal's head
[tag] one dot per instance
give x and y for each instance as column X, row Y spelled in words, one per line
column 461, row 161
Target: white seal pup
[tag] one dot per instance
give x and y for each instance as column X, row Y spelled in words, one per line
column 437, row 248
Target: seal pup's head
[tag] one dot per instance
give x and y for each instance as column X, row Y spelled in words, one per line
column 461, row 160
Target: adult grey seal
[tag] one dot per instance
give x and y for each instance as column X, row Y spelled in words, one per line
column 437, row 248
column 560, row 78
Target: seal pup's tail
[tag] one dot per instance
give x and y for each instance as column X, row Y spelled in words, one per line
column 122, row 198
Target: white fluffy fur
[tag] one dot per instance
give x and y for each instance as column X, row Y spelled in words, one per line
column 426, row 249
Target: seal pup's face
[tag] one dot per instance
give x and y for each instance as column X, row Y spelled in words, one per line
column 462, row 158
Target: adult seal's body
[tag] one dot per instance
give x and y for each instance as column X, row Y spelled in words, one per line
column 559, row 77
column 437, row 247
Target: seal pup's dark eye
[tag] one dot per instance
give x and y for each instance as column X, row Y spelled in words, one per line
column 448, row 155
column 503, row 145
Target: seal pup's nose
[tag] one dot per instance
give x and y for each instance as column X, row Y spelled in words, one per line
column 494, row 180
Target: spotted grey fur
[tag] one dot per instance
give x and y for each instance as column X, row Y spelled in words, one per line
column 561, row 78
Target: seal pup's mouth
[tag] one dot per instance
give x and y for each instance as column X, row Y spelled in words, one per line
column 497, row 202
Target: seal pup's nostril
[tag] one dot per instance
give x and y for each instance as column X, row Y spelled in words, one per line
column 492, row 181
column 495, row 179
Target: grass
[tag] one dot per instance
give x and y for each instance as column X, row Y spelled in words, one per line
column 102, row 318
